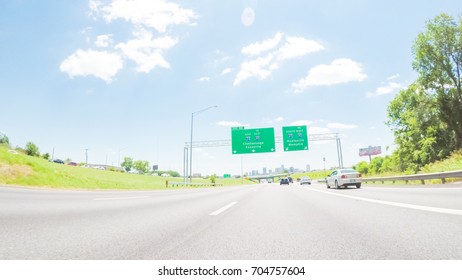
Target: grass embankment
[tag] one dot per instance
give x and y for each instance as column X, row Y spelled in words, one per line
column 23, row 170
column 314, row 175
column 452, row 163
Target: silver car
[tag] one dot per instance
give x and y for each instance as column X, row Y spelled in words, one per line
column 344, row 178
column 305, row 180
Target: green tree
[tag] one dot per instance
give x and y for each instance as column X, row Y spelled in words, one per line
column 362, row 167
column 46, row 156
column 127, row 164
column 141, row 166
column 389, row 164
column 375, row 165
column 413, row 116
column 213, row 178
column 4, row 140
column 32, row 149
column 169, row 172
column 438, row 61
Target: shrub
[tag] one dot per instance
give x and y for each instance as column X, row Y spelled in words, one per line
column 32, row 149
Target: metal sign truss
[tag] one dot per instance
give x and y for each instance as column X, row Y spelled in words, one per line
column 278, row 139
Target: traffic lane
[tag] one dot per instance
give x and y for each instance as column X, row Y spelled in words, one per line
column 450, row 198
column 32, row 201
column 293, row 223
column 129, row 229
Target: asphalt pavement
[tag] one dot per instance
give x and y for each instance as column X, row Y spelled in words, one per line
column 264, row 221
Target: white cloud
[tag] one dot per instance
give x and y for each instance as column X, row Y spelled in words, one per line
column 266, row 45
column 259, row 67
column 342, row 70
column 146, row 51
column 101, row 64
column 204, row 79
column 279, row 119
column 276, row 120
column 158, row 14
column 263, row 66
column 393, row 77
column 226, row 71
column 301, row 122
column 297, row 47
column 318, row 130
column 230, row 123
column 103, row 41
column 341, row 126
column 390, row 87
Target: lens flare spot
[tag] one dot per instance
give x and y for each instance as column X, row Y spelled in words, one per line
column 248, row 17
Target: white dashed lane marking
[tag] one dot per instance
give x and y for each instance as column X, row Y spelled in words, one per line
column 223, row 209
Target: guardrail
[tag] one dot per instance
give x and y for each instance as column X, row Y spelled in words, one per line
column 422, row 177
column 181, row 184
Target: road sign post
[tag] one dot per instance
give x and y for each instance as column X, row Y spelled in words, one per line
column 251, row 141
column 295, row 138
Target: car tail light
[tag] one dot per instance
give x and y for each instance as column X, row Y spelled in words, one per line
column 344, row 176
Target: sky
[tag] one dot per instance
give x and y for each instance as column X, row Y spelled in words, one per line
column 121, row 78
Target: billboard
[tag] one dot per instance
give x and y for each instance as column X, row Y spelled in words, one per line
column 370, row 151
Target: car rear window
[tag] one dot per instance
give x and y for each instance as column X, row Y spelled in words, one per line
column 349, row 171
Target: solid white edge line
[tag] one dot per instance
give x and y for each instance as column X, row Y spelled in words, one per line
column 121, row 198
column 222, row 209
column 398, row 204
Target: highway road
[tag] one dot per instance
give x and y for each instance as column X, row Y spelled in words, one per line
column 264, row 221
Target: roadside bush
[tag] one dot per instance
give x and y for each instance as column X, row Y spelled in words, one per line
column 4, row 141
column 32, row 150
column 213, row 178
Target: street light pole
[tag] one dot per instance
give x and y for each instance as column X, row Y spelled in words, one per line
column 191, row 139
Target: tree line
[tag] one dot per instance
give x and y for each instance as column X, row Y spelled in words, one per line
column 426, row 117
column 143, row 167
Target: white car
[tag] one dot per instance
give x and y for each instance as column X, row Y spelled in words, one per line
column 344, row 178
column 305, row 180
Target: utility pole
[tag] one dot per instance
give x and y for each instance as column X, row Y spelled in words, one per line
column 86, row 156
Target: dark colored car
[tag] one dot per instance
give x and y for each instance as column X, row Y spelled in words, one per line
column 57, row 160
column 284, row 181
column 290, row 180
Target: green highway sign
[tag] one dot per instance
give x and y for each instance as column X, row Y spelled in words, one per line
column 295, row 138
column 250, row 141
column 226, row 176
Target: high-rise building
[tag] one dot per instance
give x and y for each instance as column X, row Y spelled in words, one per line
column 308, row 168
column 264, row 171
